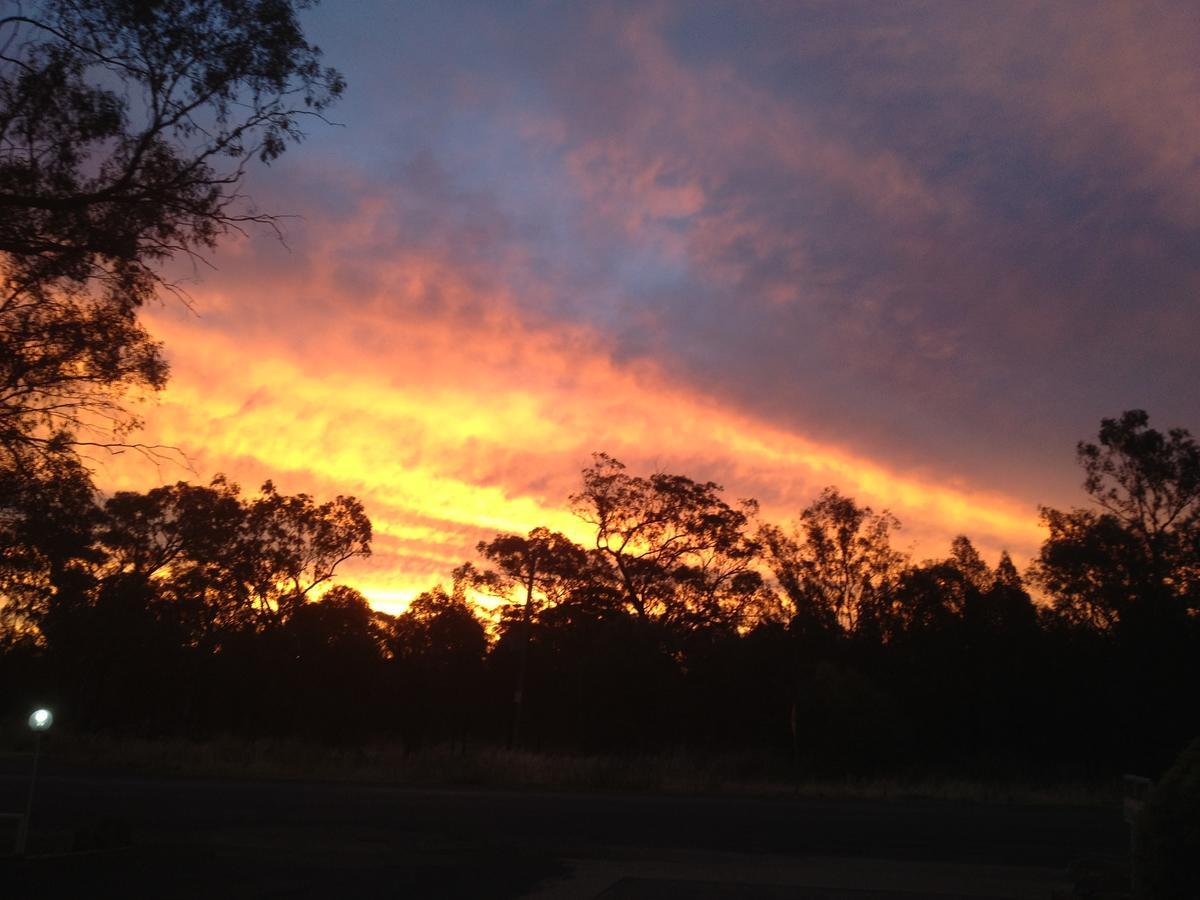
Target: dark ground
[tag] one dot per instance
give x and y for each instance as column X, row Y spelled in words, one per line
column 193, row 837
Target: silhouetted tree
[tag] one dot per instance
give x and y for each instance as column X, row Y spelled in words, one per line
column 1140, row 555
column 438, row 647
column 298, row 546
column 544, row 568
column 1124, row 582
column 337, row 648
column 48, row 520
column 152, row 604
column 967, row 560
column 681, row 553
column 1008, row 608
column 931, row 598
column 192, row 544
column 1089, row 566
column 960, row 654
column 607, row 679
column 838, row 565
column 48, row 517
column 125, row 127
column 225, row 563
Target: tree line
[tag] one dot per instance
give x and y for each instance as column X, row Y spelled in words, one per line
column 685, row 622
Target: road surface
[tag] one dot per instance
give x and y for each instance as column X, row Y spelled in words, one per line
column 195, row 837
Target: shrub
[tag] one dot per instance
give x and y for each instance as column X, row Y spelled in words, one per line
column 847, row 723
column 1167, row 849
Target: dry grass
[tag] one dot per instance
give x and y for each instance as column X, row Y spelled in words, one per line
column 387, row 763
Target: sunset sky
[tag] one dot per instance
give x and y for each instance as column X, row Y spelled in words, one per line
column 913, row 250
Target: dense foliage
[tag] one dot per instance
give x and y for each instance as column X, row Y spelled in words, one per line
column 125, row 128
column 196, row 610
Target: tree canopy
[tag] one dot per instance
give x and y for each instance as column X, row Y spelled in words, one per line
column 1136, row 553
column 125, row 129
column 680, row 553
column 838, row 565
column 197, row 609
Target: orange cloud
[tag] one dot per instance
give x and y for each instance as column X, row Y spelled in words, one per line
column 465, row 418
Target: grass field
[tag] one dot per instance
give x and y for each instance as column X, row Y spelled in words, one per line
column 486, row 766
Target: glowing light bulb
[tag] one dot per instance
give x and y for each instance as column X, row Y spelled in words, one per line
column 41, row 719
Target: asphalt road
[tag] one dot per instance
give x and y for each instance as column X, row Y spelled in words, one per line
column 191, row 837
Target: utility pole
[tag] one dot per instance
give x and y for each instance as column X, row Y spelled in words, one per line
column 40, row 720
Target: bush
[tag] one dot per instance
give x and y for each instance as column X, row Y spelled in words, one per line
column 846, row 723
column 1167, row 851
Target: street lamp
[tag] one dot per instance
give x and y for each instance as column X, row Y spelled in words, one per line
column 39, row 720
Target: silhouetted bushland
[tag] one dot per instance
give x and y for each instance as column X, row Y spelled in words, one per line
column 846, row 722
column 438, row 649
column 195, row 610
column 184, row 608
column 599, row 680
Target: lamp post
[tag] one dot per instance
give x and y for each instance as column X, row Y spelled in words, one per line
column 39, row 720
